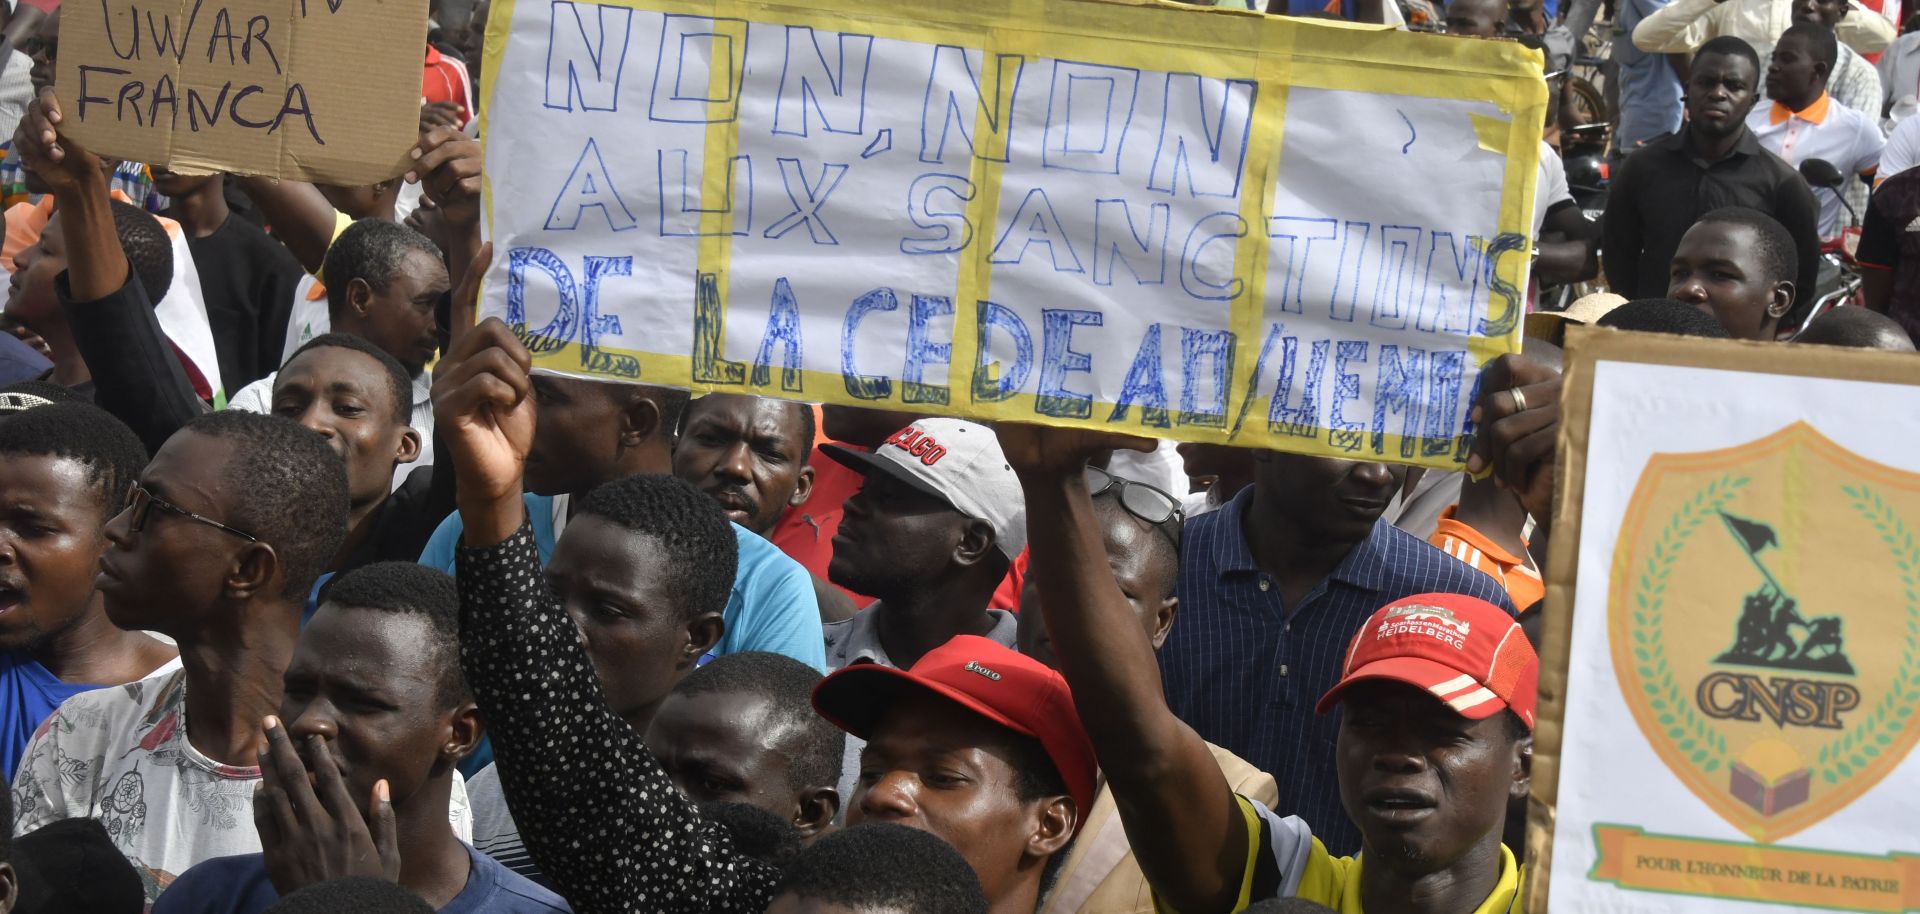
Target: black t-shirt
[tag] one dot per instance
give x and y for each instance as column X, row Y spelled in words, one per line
column 248, row 279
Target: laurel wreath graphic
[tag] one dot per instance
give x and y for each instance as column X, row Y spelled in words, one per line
column 1877, row 730
column 1673, row 708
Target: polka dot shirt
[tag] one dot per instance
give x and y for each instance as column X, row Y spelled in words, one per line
column 595, row 808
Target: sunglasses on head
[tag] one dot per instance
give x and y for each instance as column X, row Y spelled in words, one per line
column 1143, row 501
column 142, row 502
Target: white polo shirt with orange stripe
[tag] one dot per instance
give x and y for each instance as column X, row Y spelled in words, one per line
column 1823, row 130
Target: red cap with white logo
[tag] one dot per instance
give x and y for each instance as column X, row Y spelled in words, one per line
column 1466, row 652
column 991, row 680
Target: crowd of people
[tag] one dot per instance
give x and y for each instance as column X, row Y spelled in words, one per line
column 350, row 610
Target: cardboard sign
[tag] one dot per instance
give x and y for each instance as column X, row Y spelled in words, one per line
column 1730, row 686
column 1178, row 222
column 313, row 90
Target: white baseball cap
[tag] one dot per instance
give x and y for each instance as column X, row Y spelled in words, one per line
column 958, row 462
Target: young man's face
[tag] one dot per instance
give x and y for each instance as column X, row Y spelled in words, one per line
column 400, row 317
column 1720, row 93
column 1717, row 268
column 746, row 453
column 1825, row 12
column 157, row 577
column 893, row 537
column 1424, row 785
column 344, row 396
column 727, row 747
column 30, row 296
column 43, row 47
column 1476, row 18
column 932, row 765
column 50, row 544
column 1141, row 565
column 1792, row 72
column 576, row 440
column 360, row 680
column 611, row 581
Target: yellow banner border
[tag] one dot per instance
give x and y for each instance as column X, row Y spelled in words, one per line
column 1179, row 37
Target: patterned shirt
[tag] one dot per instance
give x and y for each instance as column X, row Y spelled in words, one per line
column 121, row 756
column 595, row 808
column 1245, row 670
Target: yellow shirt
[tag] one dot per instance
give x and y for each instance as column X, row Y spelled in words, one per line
column 1285, row 860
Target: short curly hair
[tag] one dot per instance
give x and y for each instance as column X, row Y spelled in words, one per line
column 85, row 434
column 813, row 745
column 702, row 553
column 399, row 383
column 885, row 867
column 287, row 487
column 410, row 589
column 149, row 251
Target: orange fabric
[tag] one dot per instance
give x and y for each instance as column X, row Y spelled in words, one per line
column 1515, row 573
column 1815, row 113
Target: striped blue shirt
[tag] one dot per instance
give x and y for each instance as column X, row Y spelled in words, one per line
column 1246, row 675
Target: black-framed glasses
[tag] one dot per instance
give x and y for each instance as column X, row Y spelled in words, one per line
column 142, row 502
column 1145, row 502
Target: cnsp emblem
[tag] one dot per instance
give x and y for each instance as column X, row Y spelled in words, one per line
column 1764, row 619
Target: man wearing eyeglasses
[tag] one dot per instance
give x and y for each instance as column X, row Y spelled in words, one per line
column 223, row 535
column 1273, row 587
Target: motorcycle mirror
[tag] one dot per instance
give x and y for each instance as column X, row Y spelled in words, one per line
column 1821, row 173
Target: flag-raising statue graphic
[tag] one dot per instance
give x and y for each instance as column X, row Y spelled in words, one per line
column 1769, row 618
column 1728, row 624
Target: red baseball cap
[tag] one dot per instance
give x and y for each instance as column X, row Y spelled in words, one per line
column 995, row 682
column 1465, row 651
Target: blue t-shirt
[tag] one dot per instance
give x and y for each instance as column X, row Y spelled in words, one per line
column 28, row 694
column 239, row 885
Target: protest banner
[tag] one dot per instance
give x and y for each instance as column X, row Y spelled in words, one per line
column 1179, row 222
column 308, row 90
column 1731, row 662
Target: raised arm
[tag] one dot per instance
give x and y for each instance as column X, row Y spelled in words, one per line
column 1181, row 817
column 298, row 214
column 447, row 168
column 1678, row 28
column 136, row 375
column 560, row 750
column 1864, row 30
